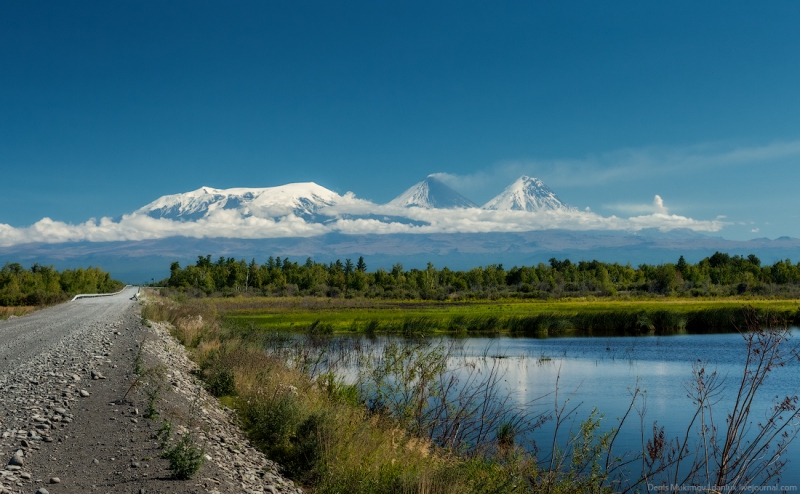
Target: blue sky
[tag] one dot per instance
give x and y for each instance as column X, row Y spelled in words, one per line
column 105, row 106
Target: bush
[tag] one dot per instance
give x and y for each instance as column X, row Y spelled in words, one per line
column 221, row 382
column 185, row 457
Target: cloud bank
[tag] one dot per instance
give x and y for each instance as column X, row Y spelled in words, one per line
column 349, row 216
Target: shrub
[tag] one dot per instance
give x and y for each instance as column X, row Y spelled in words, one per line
column 221, row 382
column 185, row 457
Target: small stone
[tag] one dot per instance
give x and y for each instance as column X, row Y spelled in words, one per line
column 96, row 461
column 16, row 459
column 76, row 377
column 42, row 490
column 25, row 444
column 136, row 464
column 55, row 480
column 60, row 411
column 84, row 393
column 25, row 476
column 134, row 421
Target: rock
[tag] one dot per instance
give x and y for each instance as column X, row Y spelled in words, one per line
column 96, row 461
column 16, row 459
column 42, row 490
column 84, row 393
column 136, row 464
column 25, row 476
column 60, row 411
column 76, row 377
column 55, row 480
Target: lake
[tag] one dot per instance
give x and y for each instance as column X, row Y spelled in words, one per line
column 600, row 372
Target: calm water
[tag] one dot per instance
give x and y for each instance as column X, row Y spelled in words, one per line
column 599, row 372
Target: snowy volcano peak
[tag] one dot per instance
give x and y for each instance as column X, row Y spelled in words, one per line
column 432, row 193
column 526, row 194
column 300, row 199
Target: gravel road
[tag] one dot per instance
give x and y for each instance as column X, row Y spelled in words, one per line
column 65, row 428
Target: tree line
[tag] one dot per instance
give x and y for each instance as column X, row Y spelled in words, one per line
column 44, row 285
column 717, row 275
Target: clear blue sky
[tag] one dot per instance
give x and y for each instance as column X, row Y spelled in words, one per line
column 105, row 106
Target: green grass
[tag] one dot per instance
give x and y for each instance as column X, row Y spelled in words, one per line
column 522, row 317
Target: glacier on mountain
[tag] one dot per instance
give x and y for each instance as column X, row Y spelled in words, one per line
column 527, row 194
column 300, row 199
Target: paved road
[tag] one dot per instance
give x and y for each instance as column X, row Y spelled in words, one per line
column 23, row 338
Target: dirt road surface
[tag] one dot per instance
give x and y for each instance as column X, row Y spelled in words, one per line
column 67, row 425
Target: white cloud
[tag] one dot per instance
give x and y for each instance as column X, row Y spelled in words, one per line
column 657, row 206
column 350, row 216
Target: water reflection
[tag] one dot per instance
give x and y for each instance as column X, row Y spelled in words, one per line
column 599, row 373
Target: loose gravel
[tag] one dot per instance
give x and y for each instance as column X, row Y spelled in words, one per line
column 65, row 428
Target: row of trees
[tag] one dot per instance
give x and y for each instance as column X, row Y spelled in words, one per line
column 719, row 274
column 43, row 285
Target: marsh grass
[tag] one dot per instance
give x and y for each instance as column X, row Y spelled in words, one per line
column 528, row 318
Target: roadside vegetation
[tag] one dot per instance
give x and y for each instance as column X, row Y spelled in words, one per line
column 420, row 417
column 44, row 285
column 719, row 275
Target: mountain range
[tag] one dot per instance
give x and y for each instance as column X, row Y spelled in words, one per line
column 308, row 200
column 525, row 223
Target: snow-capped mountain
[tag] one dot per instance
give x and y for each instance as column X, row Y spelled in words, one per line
column 432, row 193
column 301, row 199
column 527, row 194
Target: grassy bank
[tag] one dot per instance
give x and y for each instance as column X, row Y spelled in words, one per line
column 527, row 318
column 407, row 425
column 337, row 438
column 324, row 437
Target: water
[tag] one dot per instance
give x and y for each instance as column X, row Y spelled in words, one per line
column 601, row 372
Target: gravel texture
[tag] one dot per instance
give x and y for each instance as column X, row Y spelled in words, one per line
column 65, row 427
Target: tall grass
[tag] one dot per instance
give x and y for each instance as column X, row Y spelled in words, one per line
column 17, row 311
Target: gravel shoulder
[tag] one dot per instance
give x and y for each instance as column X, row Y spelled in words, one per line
column 65, row 416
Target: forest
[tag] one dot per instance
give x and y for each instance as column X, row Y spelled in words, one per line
column 718, row 275
column 44, row 285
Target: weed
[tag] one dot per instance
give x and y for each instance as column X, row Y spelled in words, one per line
column 138, row 360
column 151, row 411
column 185, row 457
column 164, row 433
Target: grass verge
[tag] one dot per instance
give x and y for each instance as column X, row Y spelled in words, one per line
column 328, row 438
